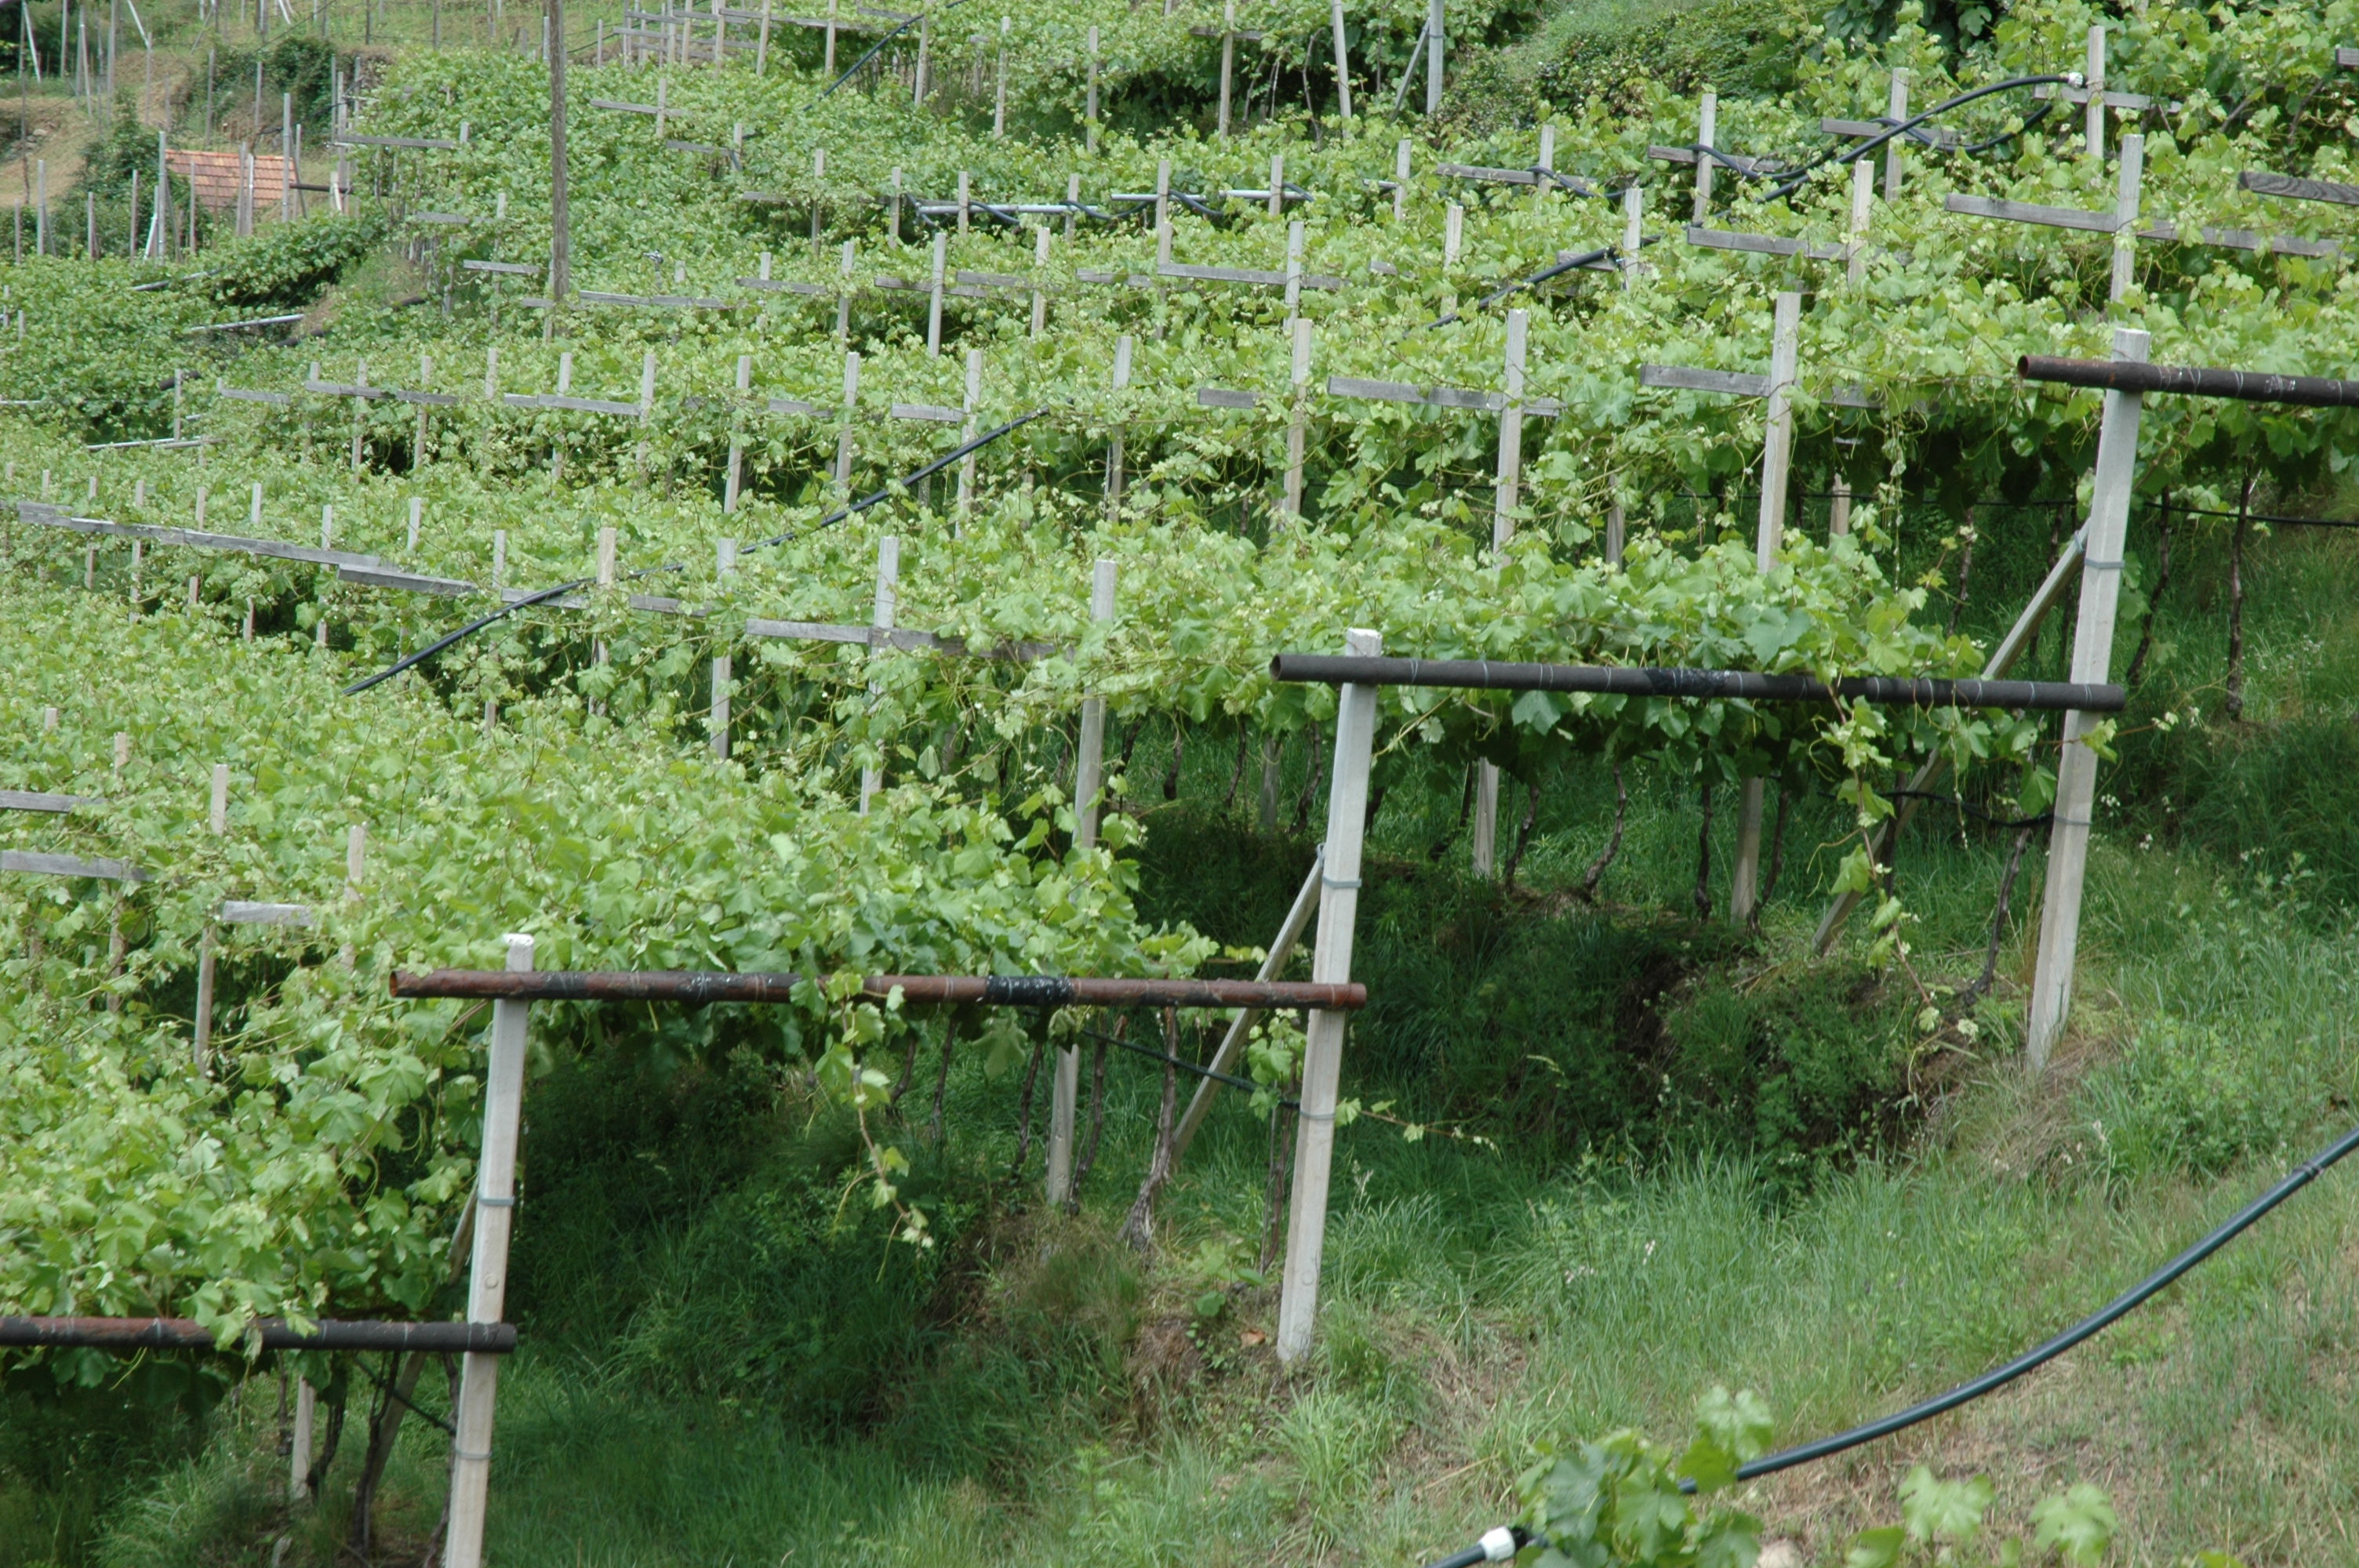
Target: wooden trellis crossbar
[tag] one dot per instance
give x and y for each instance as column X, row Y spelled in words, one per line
column 1491, row 675
column 268, row 1334
column 2263, row 183
column 36, row 800
column 1740, row 384
column 41, row 863
column 700, row 987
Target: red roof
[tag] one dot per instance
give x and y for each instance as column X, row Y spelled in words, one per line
column 214, row 176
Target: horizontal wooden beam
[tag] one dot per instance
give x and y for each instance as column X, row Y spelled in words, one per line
column 34, row 800
column 506, row 269
column 1763, row 244
column 1224, row 397
column 2032, row 212
column 2265, row 184
column 659, row 301
column 1259, row 276
column 40, row 863
column 239, row 911
column 1860, row 130
column 46, row 515
column 1439, row 397
column 428, row 142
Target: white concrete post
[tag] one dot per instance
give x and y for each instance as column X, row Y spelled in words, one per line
column 1433, row 41
column 736, row 440
column 488, row 1284
column 1298, row 420
column 2092, row 652
column 2094, row 136
column 967, row 430
column 1088, row 781
column 1342, row 64
column 1330, row 963
column 1634, row 233
column 1863, row 195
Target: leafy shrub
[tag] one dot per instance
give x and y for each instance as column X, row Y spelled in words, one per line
column 2187, row 1097
column 285, row 266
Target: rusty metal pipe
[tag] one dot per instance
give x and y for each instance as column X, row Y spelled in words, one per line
column 1492, row 675
column 699, row 986
column 188, row 1334
column 2244, row 386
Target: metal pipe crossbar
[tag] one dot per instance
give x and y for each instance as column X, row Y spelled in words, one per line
column 1489, row 674
column 2244, row 386
column 275, row 1334
column 699, row 986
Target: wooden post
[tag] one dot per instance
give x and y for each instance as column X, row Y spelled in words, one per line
column 1896, row 111
column 1542, row 185
column 286, row 156
column 1400, row 180
column 2094, row 134
column 888, row 587
column 417, row 520
column 1634, row 233
column 418, row 438
column 1839, row 509
column 893, row 219
column 663, row 106
column 925, row 49
column 1616, row 530
column 1228, row 58
column 218, row 820
column 298, row 1468
column 1114, row 443
column 762, row 44
column 1511, row 434
column 1863, row 193
column 2076, row 771
column 1433, row 38
column 1088, row 783
column 1777, row 460
column 561, row 229
column 967, row 432
column 828, row 59
column 934, row 298
column 471, row 1447
column 1298, row 418
column 843, row 294
column 2126, row 215
column 1294, row 244
column 1089, row 113
column 726, row 562
column 1276, row 184
column 999, row 105
column 1342, row 89
column 1040, row 269
column 1707, row 132
column 1323, row 1056
column 738, row 440
column 843, row 436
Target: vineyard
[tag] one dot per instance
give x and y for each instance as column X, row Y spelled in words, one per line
column 1188, row 782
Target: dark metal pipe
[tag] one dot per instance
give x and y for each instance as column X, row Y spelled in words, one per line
column 1488, row 674
column 188, row 1334
column 2245, row 386
column 699, row 986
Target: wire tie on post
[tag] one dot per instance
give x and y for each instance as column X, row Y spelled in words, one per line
column 483, row 1202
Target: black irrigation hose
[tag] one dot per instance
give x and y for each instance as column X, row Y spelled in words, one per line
column 1852, row 154
column 2041, row 1355
column 1569, row 263
column 888, row 38
column 546, row 594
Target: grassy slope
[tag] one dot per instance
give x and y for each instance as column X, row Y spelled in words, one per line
column 1477, row 1300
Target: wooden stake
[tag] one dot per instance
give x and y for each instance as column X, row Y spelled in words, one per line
column 999, row 106
column 217, row 818
column 2126, row 215
column 1433, row 41
column 967, row 431
column 1114, row 443
column 1040, row 268
column 1707, row 130
column 725, row 552
column 1862, row 193
column 1276, row 184
column 934, row 298
column 888, row 588
column 2093, row 648
column 1228, row 58
column 1400, row 180
column 1322, row 1057
column 1777, row 460
column 1839, row 509
column 1088, row 783
column 1343, row 78
column 298, row 1476
column 2093, row 135
column 843, row 436
column 1896, row 111
column 1298, row 420
column 471, row 1447
column 1511, row 434
column 1634, row 234
column 738, row 440
column 1089, row 113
